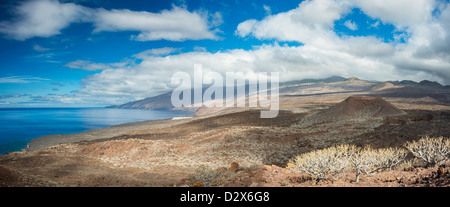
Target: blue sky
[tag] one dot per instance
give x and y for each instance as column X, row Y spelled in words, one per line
column 98, row 52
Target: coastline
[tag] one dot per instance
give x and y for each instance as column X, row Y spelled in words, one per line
column 167, row 152
column 103, row 133
column 124, row 129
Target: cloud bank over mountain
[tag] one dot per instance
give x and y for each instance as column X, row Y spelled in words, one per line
column 304, row 42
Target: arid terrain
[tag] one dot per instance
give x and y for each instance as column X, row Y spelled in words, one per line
column 312, row 116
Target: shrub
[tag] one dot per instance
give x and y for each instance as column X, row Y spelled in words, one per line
column 198, row 184
column 323, row 164
column 371, row 160
column 408, row 165
column 208, row 177
column 234, row 166
column 430, row 150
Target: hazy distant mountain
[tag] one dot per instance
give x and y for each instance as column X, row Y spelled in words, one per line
column 325, row 80
column 157, row 102
column 422, row 84
column 334, row 84
column 163, row 101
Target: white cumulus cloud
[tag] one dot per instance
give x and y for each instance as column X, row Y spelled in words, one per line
column 42, row 18
column 424, row 25
column 152, row 76
column 46, row 18
column 424, row 55
column 177, row 24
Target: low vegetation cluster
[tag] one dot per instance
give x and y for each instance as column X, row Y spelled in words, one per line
column 331, row 162
column 206, row 177
column 431, row 150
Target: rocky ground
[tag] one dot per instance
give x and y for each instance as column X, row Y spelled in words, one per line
column 168, row 152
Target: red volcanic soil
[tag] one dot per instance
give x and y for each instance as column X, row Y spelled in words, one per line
column 355, row 106
column 168, row 153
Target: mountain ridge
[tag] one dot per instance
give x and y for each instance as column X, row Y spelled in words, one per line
column 163, row 101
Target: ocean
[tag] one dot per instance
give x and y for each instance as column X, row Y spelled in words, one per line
column 18, row 126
